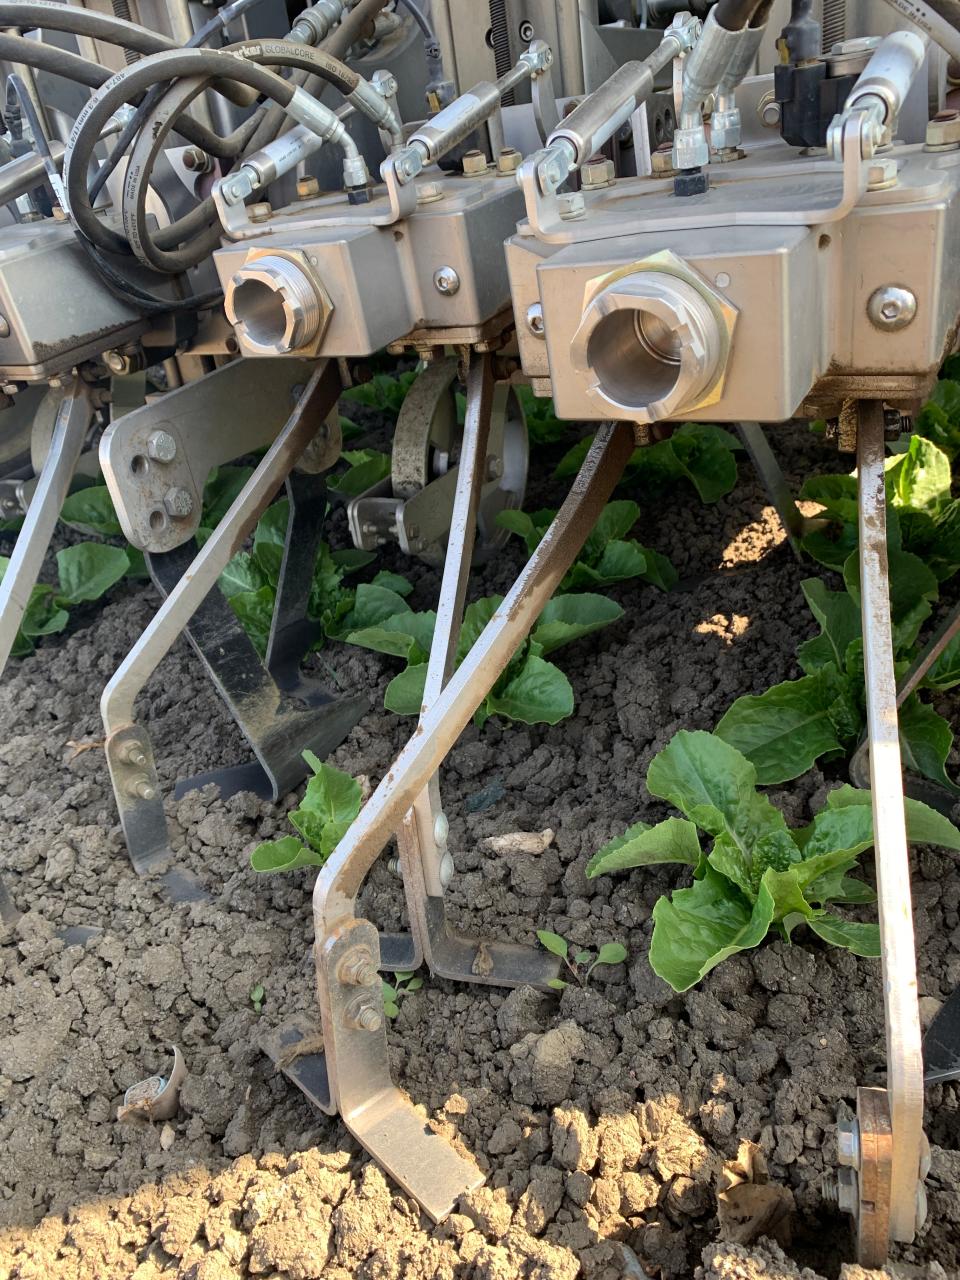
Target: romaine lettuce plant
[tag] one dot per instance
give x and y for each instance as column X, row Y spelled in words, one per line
column 85, row 572
column 531, row 689
column 759, row 874
column 697, row 452
column 822, row 714
column 608, row 556
column 384, row 391
column 330, row 803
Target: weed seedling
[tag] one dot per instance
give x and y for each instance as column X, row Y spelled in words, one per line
column 403, row 985
column 257, row 996
column 582, row 963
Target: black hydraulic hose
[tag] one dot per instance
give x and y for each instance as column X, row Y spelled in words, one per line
column 130, row 83
column 149, row 247
column 119, row 284
column 47, row 57
column 732, row 15
column 221, row 20
column 419, row 18
column 338, row 44
column 761, row 13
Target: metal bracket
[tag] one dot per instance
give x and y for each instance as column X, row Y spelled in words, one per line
column 128, row 750
column 156, row 459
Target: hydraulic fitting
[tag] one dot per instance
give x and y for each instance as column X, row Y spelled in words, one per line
column 653, row 340
column 703, row 69
column 277, row 305
column 725, row 123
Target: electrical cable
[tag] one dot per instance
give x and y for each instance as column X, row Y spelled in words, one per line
column 732, row 15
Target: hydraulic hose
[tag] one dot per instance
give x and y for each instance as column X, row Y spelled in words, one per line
column 924, row 16
column 733, row 15
column 129, row 84
column 47, row 57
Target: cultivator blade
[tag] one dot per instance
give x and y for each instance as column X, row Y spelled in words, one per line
column 278, row 713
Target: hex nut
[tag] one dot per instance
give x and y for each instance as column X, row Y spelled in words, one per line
column 571, row 206
column 598, row 173
column 307, row 188
column 508, row 161
column 943, row 131
column 260, row 212
column 882, row 173
column 474, row 163
column 428, row 192
column 694, row 182
column 178, row 502
column 661, row 161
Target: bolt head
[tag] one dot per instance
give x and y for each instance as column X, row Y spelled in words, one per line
column 535, row 320
column 891, row 307
column 882, row 174
column 848, row 1143
column 178, row 502
column 428, row 192
column 161, row 446
column 661, row 161
column 260, row 212
column 115, row 362
column 474, row 163
column 943, row 131
column 446, row 281
column 769, row 111
column 571, row 206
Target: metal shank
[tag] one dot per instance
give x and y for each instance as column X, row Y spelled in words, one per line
column 898, row 956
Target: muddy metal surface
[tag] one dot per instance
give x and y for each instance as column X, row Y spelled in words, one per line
column 602, row 1116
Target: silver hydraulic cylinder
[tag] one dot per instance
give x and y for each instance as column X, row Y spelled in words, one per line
column 881, row 90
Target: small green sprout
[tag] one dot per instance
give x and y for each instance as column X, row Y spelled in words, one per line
column 257, row 996
column 582, row 963
column 403, row 985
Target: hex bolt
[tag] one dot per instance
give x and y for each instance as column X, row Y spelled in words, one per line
column 197, row 160
column 882, row 174
column 446, row 281
column 429, row 192
column 161, row 446
column 474, row 163
column 4, row 327
column 441, row 828
column 535, row 319
column 357, row 969
column 600, row 172
column 508, row 161
column 768, row 109
column 891, row 307
column 571, row 206
column 178, row 502
column 134, row 754
column 307, row 188
column 943, row 132
column 362, row 1016
column 142, row 788
column 115, row 361
column 260, row 212
column 848, row 1143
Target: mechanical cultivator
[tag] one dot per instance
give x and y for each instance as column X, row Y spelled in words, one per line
column 702, row 214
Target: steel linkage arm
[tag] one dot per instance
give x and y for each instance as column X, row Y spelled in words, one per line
column 347, row 949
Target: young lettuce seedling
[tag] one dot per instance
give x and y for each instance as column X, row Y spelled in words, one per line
column 582, row 963
column 759, row 874
column 330, row 803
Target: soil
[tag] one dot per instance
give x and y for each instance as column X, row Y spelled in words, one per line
column 602, row 1116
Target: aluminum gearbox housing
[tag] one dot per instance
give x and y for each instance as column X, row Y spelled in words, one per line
column 340, row 286
column 645, row 309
